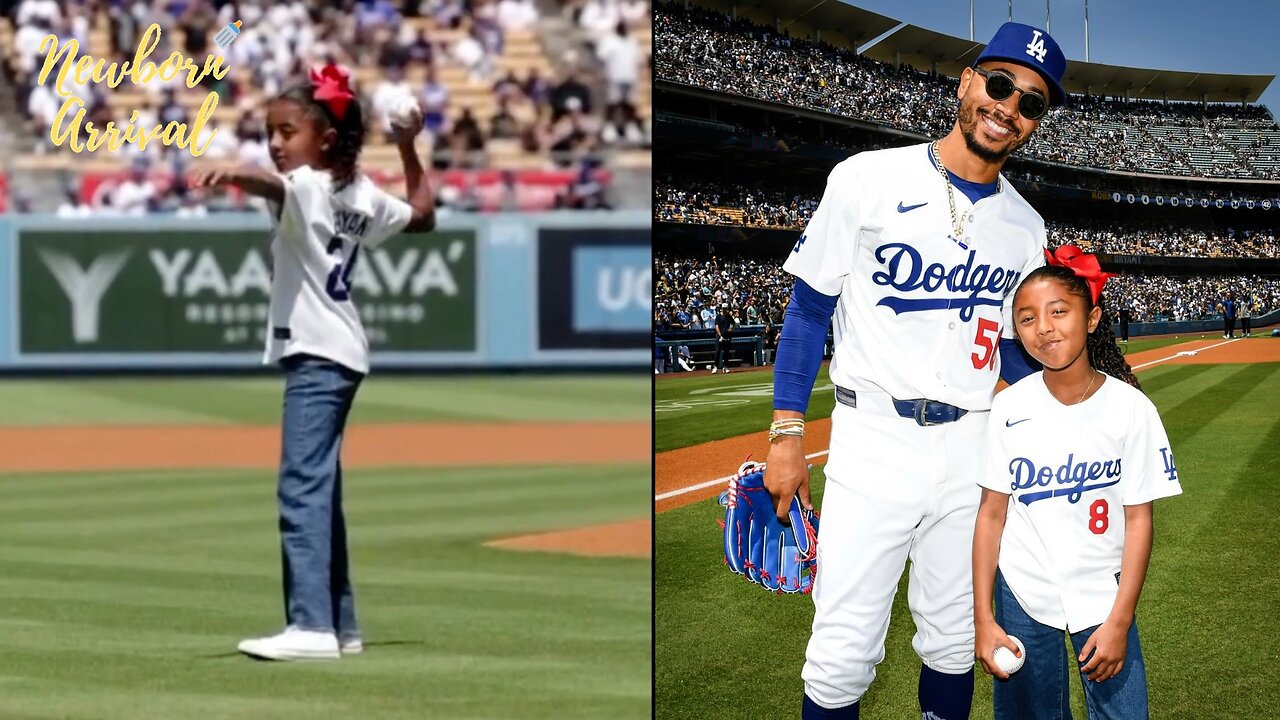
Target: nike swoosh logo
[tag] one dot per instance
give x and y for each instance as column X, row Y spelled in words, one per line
column 1008, row 423
column 908, row 208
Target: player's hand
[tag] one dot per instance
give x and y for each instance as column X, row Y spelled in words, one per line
column 212, row 178
column 1108, row 644
column 987, row 637
column 785, row 474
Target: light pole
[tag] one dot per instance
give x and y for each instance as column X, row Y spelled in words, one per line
column 1086, row 30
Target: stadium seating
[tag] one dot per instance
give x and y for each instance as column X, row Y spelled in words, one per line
column 534, row 164
column 709, row 50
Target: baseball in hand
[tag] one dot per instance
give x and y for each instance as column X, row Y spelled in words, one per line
column 1007, row 661
column 406, row 113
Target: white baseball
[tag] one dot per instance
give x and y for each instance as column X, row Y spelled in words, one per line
column 402, row 114
column 1007, row 661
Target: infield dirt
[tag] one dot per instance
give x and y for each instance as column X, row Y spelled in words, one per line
column 102, row 448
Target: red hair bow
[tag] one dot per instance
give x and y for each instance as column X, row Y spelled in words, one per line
column 332, row 88
column 1083, row 264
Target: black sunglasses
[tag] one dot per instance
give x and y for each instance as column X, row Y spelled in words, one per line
column 1031, row 104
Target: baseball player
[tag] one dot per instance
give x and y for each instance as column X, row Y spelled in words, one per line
column 323, row 210
column 916, row 251
column 724, row 338
column 1075, row 457
column 1228, row 316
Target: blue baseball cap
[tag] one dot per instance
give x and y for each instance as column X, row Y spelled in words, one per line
column 1031, row 47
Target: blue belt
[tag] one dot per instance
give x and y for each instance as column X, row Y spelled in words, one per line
column 924, row 412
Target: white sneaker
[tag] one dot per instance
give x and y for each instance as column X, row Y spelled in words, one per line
column 726, row 371
column 351, row 644
column 713, row 370
column 293, row 644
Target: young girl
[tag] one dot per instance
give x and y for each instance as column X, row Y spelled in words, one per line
column 323, row 211
column 1076, row 455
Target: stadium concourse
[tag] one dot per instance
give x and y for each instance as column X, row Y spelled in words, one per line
column 529, row 104
column 1179, row 197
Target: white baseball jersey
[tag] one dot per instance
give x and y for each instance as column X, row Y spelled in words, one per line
column 1070, row 470
column 921, row 312
column 317, row 235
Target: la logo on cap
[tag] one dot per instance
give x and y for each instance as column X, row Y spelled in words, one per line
column 1036, row 48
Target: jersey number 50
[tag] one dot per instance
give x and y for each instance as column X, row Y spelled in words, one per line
column 986, row 339
column 339, row 284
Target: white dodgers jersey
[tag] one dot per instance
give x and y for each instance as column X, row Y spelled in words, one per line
column 921, row 312
column 317, row 237
column 1069, row 471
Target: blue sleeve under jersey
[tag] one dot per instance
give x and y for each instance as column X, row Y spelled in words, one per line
column 804, row 333
column 1015, row 363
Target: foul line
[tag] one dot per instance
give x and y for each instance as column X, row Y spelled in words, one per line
column 718, row 481
column 1181, row 354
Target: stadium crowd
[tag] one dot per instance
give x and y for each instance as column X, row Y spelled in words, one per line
column 725, row 202
column 573, row 116
column 1164, row 239
column 1190, row 297
column 732, row 203
column 712, row 50
column 688, row 291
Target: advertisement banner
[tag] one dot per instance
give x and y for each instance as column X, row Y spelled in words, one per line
column 208, row 291
column 594, row 289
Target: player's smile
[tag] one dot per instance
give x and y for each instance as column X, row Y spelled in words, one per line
column 997, row 129
column 993, row 129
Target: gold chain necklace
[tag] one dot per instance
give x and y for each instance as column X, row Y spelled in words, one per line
column 1086, row 390
column 957, row 220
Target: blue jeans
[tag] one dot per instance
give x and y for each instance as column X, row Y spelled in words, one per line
column 318, row 394
column 1039, row 690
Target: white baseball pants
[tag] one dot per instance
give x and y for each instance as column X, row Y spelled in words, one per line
column 895, row 491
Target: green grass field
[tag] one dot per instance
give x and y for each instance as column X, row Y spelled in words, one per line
column 1208, row 614
column 123, row 594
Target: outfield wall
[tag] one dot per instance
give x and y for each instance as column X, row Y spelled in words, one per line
column 563, row 289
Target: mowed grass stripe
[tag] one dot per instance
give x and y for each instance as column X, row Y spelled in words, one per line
column 232, row 497
column 1159, row 379
column 722, row 406
column 505, row 574
column 441, row 684
column 117, row 608
column 1195, row 411
column 1137, row 345
column 382, row 398
column 40, row 402
column 610, row 397
column 1205, row 619
column 57, row 490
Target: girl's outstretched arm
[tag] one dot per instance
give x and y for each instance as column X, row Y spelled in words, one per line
column 420, row 196
column 253, row 180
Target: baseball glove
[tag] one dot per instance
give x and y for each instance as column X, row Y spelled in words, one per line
column 757, row 545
